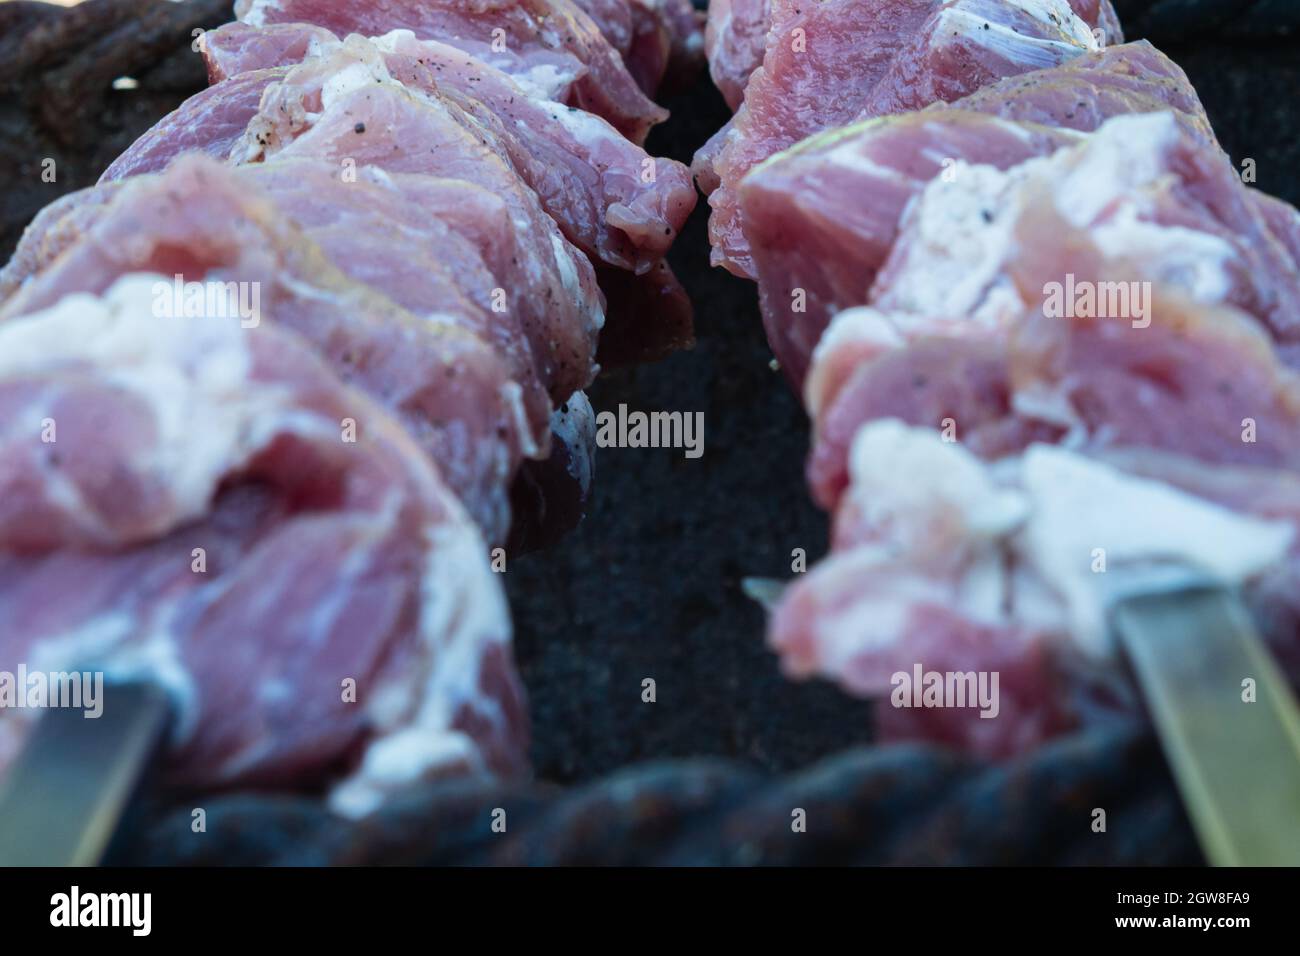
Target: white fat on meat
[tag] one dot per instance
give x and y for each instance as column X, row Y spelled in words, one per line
column 1079, row 505
column 1058, row 13
column 184, row 368
column 574, row 425
column 414, row 719
column 959, row 236
column 979, row 22
column 1030, row 527
column 366, row 68
column 545, row 79
column 542, row 80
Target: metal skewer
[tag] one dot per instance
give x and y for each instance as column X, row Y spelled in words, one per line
column 1236, row 763
column 63, row 798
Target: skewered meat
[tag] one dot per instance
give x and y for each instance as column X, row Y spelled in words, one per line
column 621, row 206
column 1162, row 206
column 207, row 222
column 1009, row 397
column 832, row 63
column 414, row 225
column 1181, row 399
column 607, row 184
column 964, row 566
column 610, row 198
column 804, row 237
column 618, row 204
column 224, row 538
column 1158, row 208
column 549, row 45
column 737, row 30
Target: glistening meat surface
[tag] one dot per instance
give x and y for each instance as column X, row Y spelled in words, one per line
column 413, row 226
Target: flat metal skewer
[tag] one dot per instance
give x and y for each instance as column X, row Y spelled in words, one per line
column 1236, row 763
column 63, row 798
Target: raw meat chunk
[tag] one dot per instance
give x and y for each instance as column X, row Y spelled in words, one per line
column 200, row 519
column 212, row 121
column 736, row 36
column 822, row 217
column 347, row 110
column 550, row 45
column 206, row 222
column 828, row 64
column 609, row 197
column 944, row 564
column 1160, row 205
